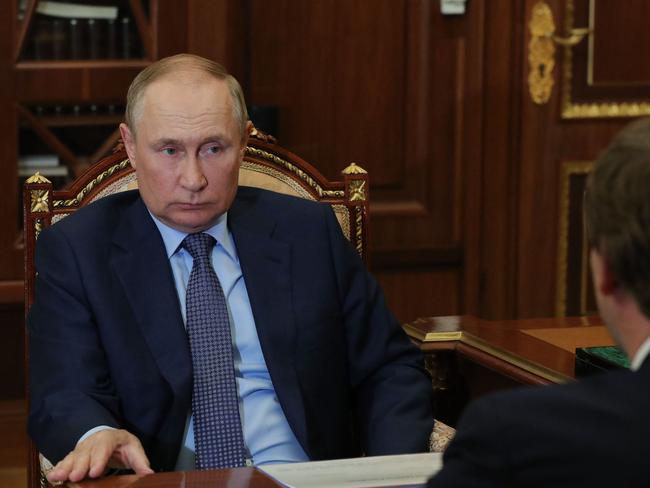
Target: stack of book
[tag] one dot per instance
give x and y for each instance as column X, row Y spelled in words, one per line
column 46, row 164
column 63, row 30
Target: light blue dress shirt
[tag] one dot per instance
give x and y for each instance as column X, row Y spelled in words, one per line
column 267, row 434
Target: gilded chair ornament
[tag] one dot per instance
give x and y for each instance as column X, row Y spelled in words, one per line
column 37, row 178
column 359, row 233
column 38, row 227
column 262, row 136
column 354, row 169
column 39, row 200
column 357, row 191
column 90, row 186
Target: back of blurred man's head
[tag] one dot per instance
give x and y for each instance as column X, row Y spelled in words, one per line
column 617, row 210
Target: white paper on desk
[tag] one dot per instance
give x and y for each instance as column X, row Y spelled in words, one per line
column 406, row 469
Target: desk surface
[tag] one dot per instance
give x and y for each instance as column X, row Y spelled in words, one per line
column 536, row 351
column 241, row 478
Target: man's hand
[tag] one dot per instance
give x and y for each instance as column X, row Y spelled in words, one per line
column 107, row 448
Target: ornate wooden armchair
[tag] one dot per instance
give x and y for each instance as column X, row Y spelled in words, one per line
column 266, row 165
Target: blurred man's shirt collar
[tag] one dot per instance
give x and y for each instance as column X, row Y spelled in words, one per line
column 640, row 355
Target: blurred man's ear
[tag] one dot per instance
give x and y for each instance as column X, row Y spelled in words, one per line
column 129, row 142
column 604, row 281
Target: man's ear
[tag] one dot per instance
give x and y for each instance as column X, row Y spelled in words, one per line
column 604, row 281
column 129, row 142
column 245, row 135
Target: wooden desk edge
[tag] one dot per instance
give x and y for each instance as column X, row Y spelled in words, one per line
column 508, row 363
column 491, row 356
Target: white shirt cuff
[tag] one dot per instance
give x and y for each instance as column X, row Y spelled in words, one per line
column 94, row 430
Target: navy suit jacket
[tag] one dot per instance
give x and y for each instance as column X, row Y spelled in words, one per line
column 108, row 344
column 591, row 433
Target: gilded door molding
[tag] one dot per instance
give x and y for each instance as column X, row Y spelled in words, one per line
column 593, row 110
column 572, row 288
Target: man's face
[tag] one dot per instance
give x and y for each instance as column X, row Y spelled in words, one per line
column 186, row 151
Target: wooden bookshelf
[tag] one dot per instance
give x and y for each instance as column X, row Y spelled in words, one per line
column 65, row 101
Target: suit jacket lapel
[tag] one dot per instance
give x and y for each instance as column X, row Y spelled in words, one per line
column 140, row 261
column 266, row 266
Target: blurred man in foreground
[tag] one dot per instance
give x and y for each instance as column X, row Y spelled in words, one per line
column 594, row 432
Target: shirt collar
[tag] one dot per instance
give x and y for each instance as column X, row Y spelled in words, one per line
column 173, row 238
column 640, row 355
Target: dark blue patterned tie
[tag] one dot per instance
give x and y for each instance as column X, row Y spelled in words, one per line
column 219, row 441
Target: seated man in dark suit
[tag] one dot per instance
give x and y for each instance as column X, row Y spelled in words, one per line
column 594, row 432
column 195, row 324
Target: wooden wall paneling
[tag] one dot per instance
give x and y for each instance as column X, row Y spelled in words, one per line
column 426, row 206
column 617, row 33
column 369, row 88
column 436, row 152
column 171, row 29
column 503, row 23
column 291, row 67
column 413, row 292
column 546, row 143
column 608, row 66
column 537, row 193
column 574, row 293
column 334, row 72
column 472, row 143
column 386, row 90
column 337, row 76
column 216, row 30
column 432, row 151
column 12, row 329
column 10, row 259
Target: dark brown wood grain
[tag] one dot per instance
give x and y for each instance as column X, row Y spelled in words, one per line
column 218, row 30
column 545, row 143
column 609, row 66
column 389, row 91
column 611, row 69
column 10, row 255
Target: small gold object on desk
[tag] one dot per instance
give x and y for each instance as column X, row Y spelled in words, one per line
column 435, row 329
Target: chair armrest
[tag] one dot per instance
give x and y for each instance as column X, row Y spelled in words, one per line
column 440, row 437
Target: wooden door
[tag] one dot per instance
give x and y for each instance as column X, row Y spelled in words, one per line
column 386, row 84
column 571, row 95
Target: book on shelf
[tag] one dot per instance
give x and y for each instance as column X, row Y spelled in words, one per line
column 38, row 160
column 76, row 10
column 51, row 171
